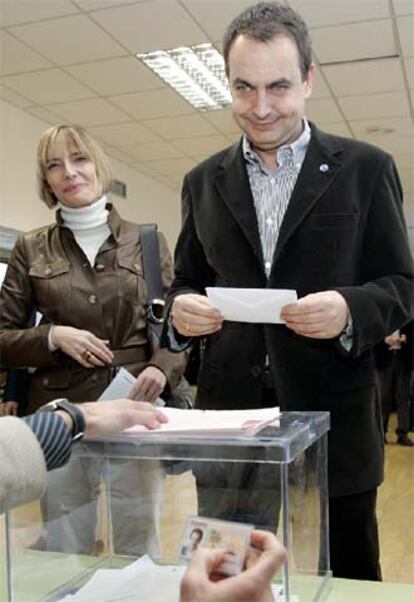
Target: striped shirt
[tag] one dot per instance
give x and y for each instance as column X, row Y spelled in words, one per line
column 54, row 437
column 272, row 189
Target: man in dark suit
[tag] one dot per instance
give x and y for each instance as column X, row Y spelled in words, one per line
column 290, row 206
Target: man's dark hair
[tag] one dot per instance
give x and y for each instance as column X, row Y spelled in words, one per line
column 262, row 22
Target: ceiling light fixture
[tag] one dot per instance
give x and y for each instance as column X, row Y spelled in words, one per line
column 195, row 72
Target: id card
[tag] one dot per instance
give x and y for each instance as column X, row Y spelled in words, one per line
column 233, row 538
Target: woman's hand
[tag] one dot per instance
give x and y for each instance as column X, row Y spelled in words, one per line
column 81, row 345
column 10, row 408
column 148, row 385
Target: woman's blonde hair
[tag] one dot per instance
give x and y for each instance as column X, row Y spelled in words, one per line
column 86, row 145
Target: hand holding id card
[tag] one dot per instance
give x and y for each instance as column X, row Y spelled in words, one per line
column 232, row 538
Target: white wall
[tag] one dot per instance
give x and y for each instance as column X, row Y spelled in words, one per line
column 20, row 206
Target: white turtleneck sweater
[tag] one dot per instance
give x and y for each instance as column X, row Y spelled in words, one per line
column 89, row 226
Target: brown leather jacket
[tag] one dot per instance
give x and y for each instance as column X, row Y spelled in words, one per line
column 49, row 272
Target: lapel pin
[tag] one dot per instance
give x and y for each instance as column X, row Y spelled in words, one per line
column 323, row 167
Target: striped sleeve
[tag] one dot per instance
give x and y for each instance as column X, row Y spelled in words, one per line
column 54, row 437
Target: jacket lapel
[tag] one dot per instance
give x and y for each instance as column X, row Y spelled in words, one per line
column 320, row 168
column 233, row 185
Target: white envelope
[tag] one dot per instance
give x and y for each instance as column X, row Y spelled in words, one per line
column 262, row 305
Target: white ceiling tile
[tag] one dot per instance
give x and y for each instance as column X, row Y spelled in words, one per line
column 150, row 25
column 365, row 77
column 186, row 126
column 403, row 7
column 320, row 89
column 406, row 33
column 338, row 129
column 369, row 39
column 373, row 128
column 116, row 76
column 45, row 87
column 88, row 5
column 151, row 104
column 43, row 114
column 409, row 69
column 118, row 154
column 152, row 151
column 173, row 167
column 388, row 104
column 95, row 111
column 124, row 133
column 69, row 40
column 15, row 57
column 15, row 12
column 223, row 121
column 214, row 15
column 202, row 146
column 319, row 13
column 323, row 110
column 145, row 168
column 13, row 98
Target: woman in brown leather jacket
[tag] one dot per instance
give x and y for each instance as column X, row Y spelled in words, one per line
column 84, row 274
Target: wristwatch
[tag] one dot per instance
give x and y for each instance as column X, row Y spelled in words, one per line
column 79, row 426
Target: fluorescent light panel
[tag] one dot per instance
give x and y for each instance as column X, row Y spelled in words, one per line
column 195, row 72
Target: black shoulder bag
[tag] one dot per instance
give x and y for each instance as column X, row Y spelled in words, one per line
column 182, row 396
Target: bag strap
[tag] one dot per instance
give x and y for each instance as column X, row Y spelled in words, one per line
column 151, row 260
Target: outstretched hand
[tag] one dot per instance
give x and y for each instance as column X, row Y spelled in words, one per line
column 111, row 417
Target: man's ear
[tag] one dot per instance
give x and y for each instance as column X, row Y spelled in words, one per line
column 308, row 81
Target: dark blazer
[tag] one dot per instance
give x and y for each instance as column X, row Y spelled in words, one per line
column 343, row 230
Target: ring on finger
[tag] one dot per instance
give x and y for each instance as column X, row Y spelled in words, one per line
column 87, row 355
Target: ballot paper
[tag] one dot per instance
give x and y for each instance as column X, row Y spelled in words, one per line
column 211, row 423
column 120, row 387
column 141, row 581
column 262, row 305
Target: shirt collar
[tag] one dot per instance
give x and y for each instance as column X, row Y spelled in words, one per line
column 298, row 147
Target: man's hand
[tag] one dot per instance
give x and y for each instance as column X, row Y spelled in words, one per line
column 148, row 385
column 82, row 345
column 395, row 340
column 111, row 417
column 318, row 316
column 194, row 316
column 10, row 408
column 199, row 583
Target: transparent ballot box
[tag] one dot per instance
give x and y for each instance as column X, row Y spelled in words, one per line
column 110, row 525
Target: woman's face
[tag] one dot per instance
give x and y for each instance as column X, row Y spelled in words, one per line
column 70, row 175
